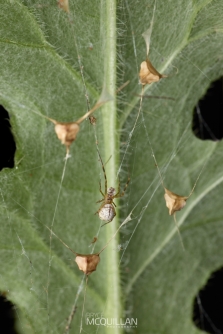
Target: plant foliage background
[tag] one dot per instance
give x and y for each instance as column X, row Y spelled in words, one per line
column 156, row 281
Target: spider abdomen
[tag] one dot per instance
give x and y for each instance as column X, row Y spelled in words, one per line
column 107, row 213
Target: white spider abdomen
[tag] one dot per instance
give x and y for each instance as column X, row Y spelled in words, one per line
column 107, row 213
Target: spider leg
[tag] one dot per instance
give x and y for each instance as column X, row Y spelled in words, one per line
column 106, row 223
column 113, row 204
column 103, row 167
column 117, row 194
column 123, row 192
column 100, row 189
column 100, row 200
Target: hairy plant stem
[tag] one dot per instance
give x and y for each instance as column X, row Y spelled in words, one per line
column 113, row 306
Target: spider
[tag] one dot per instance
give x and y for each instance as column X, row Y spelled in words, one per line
column 106, row 212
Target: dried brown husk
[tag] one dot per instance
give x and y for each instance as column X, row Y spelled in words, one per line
column 174, row 202
column 148, row 74
column 66, row 132
column 87, row 263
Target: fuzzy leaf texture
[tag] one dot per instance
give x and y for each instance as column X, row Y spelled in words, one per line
column 156, row 281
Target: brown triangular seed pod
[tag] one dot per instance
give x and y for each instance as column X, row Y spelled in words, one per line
column 64, row 4
column 174, row 202
column 87, row 263
column 148, row 74
column 66, row 132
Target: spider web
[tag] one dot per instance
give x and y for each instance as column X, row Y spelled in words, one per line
column 39, row 175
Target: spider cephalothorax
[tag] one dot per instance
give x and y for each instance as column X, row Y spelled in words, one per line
column 107, row 212
column 110, row 193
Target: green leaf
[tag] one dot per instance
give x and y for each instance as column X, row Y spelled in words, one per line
column 42, row 49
